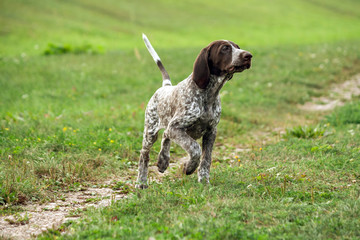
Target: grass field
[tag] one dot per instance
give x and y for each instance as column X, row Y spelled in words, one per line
column 75, row 116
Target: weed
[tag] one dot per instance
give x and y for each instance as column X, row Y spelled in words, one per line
column 78, row 212
column 19, row 219
column 93, row 200
column 304, row 132
column 121, row 187
column 58, row 49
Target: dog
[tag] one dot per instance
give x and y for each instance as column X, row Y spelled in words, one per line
column 191, row 109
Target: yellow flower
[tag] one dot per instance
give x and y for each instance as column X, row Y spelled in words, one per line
column 64, row 129
column 6, row 129
column 120, row 144
column 94, row 143
column 112, row 141
column 99, row 149
column 74, row 131
column 110, row 129
column 260, row 149
column 25, row 139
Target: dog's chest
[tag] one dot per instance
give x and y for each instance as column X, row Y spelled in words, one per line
column 209, row 119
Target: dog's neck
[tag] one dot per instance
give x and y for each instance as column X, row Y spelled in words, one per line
column 215, row 85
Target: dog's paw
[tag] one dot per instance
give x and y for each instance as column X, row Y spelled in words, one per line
column 162, row 167
column 189, row 169
column 163, row 162
column 204, row 180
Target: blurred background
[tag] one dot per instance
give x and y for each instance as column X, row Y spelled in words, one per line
column 29, row 25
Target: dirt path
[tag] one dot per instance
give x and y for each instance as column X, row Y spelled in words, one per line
column 37, row 218
column 339, row 94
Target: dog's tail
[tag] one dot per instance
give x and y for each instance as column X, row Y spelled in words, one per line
column 164, row 73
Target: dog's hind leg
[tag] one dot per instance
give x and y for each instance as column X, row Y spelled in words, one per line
column 148, row 141
column 149, row 138
column 180, row 137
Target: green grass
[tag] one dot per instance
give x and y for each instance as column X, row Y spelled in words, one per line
column 66, row 117
column 72, row 118
column 295, row 189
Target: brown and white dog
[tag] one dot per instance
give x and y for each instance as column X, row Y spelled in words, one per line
column 191, row 109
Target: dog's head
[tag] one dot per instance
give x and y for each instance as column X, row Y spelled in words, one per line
column 219, row 58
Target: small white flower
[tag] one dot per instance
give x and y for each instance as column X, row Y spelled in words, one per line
column 249, row 186
column 271, row 169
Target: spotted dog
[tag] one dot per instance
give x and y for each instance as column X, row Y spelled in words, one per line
column 191, row 109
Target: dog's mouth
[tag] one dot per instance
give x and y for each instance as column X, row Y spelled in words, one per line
column 239, row 68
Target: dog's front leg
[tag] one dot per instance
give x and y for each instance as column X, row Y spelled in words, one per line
column 207, row 146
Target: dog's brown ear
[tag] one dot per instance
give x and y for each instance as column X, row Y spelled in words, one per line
column 201, row 73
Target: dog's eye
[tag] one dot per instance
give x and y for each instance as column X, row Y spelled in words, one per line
column 225, row 48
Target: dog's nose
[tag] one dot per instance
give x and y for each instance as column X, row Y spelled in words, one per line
column 247, row 56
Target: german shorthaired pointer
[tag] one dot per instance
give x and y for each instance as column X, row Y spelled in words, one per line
column 191, row 109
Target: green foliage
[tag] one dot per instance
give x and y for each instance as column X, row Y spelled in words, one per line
column 55, row 49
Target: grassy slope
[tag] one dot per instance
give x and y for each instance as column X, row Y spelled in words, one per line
column 75, row 118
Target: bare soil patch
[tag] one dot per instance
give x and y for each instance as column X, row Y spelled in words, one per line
column 339, row 94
